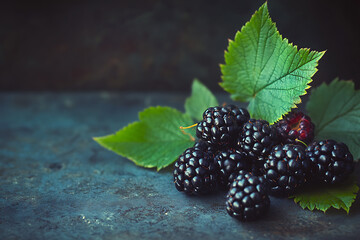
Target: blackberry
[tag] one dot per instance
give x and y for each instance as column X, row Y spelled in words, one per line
column 295, row 125
column 247, row 198
column 195, row 172
column 257, row 139
column 220, row 125
column 331, row 161
column 229, row 162
column 286, row 169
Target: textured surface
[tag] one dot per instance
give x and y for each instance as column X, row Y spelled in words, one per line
column 57, row 183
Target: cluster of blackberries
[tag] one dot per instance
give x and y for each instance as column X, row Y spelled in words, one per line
column 252, row 159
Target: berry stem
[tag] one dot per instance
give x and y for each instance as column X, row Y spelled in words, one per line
column 191, row 126
column 301, row 142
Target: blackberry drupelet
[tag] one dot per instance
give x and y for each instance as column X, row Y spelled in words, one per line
column 229, row 162
column 247, row 198
column 286, row 169
column 218, row 127
column 331, row 161
column 257, row 138
column 195, row 172
column 295, row 125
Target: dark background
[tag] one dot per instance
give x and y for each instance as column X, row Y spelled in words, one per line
column 157, row 44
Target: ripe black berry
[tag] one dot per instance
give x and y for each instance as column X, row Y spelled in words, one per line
column 286, row 169
column 217, row 127
column 229, row 162
column 295, row 125
column 257, row 138
column 195, row 172
column 221, row 125
column 247, row 198
column 331, row 161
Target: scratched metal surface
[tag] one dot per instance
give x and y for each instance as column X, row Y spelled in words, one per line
column 57, row 183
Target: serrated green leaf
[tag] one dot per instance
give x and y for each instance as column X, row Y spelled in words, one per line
column 154, row 141
column 324, row 197
column 201, row 98
column 263, row 68
column 335, row 111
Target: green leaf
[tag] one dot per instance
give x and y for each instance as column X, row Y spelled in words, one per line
column 324, row 197
column 201, row 98
column 335, row 111
column 154, row 141
column 263, row 68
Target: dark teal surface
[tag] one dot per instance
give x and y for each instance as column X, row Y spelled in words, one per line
column 57, row 183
